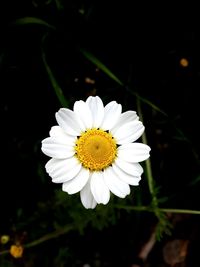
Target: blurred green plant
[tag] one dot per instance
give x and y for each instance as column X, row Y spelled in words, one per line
column 32, row 20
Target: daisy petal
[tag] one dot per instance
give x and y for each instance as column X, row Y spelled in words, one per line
column 68, row 121
column 75, row 185
column 129, row 132
column 97, row 109
column 116, row 186
column 124, row 118
column 87, row 198
column 57, row 131
column 63, row 170
column 127, row 178
column 82, row 110
column 133, row 152
column 56, row 148
column 99, row 189
column 112, row 113
column 134, row 169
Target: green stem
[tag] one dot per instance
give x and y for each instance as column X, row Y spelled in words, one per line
column 49, row 236
column 150, row 209
column 180, row 211
column 147, row 162
column 44, row 238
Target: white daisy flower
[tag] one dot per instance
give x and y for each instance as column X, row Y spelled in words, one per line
column 93, row 151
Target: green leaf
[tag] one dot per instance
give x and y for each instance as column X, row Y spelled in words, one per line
column 57, row 89
column 101, row 66
column 107, row 71
column 149, row 103
column 59, row 5
column 33, row 20
column 195, row 181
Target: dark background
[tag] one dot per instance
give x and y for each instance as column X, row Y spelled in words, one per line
column 143, row 46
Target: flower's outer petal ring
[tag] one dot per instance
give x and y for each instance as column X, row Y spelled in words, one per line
column 87, row 198
column 76, row 184
column 99, row 189
column 111, row 115
column 55, row 148
column 97, row 109
column 124, row 118
column 129, row 132
column 134, row 169
column 133, row 152
column 57, row 131
column 62, row 170
column 68, row 121
column 116, row 186
column 82, row 111
column 125, row 177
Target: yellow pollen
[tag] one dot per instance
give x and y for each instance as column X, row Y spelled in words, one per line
column 96, row 149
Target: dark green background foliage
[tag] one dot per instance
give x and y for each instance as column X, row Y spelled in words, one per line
column 54, row 45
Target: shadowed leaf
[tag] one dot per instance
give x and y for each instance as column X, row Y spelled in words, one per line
column 107, row 71
column 101, row 66
column 57, row 89
column 33, row 20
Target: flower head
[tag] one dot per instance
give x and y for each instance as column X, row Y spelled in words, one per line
column 16, row 251
column 4, row 239
column 93, row 151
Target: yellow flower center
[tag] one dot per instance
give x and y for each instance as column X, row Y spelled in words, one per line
column 96, row 149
